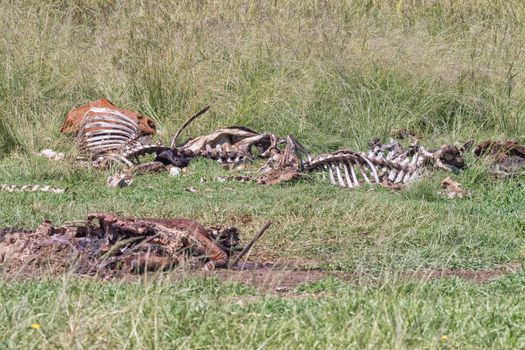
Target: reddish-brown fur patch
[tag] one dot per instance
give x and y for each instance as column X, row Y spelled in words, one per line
column 74, row 117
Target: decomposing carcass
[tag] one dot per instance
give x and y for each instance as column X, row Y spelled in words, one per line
column 106, row 244
column 229, row 146
column 504, row 158
column 106, row 134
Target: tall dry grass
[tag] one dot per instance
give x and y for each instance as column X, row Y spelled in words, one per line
column 332, row 73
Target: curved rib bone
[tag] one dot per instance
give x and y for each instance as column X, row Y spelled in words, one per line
column 347, row 161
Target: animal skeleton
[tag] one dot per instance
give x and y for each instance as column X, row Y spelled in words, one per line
column 388, row 164
column 107, row 134
column 230, row 146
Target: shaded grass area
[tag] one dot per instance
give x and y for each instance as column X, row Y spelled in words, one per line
column 203, row 313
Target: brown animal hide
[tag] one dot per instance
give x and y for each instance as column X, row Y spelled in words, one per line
column 75, row 116
column 500, row 150
column 505, row 158
column 106, row 244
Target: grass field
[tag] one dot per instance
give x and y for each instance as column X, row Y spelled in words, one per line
column 334, row 74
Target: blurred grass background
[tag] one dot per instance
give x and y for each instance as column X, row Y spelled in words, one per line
column 331, row 73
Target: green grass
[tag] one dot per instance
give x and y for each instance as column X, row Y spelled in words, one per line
column 207, row 314
column 333, row 74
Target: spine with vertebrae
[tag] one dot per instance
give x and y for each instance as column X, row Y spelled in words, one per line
column 30, row 188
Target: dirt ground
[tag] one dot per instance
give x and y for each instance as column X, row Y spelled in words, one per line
column 286, row 276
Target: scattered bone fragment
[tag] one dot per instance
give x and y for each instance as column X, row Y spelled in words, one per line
column 453, row 189
column 119, row 180
column 175, row 171
column 239, row 178
column 50, row 154
column 31, row 188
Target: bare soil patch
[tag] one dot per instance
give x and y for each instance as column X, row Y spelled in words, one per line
column 285, row 276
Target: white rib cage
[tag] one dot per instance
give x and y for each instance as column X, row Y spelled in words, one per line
column 106, row 135
column 396, row 165
column 382, row 164
column 104, row 131
column 345, row 168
